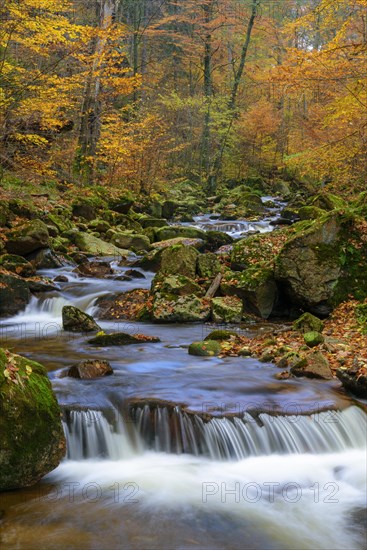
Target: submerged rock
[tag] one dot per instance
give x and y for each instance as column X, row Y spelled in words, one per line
column 75, row 320
column 32, row 438
column 87, row 370
column 122, row 339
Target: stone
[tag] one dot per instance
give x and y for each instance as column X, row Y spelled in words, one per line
column 220, row 335
column 177, row 285
column 256, row 288
column 84, row 210
column 32, row 437
column 173, row 231
column 122, row 339
column 313, row 338
column 185, row 241
column 75, row 320
column 87, row 370
column 205, row 348
column 307, row 323
column 94, row 269
column 180, row 260
column 228, row 309
column 324, row 263
column 62, row 223
column 216, row 239
column 17, row 264
column 131, row 305
column 135, row 274
column 354, row 379
column 208, row 265
column 97, row 247
column 180, row 309
column 129, row 240
column 45, row 259
column 153, row 222
column 14, row 294
column 314, row 366
column 27, row 238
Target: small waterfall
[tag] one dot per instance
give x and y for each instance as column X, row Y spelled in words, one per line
column 171, row 430
column 90, row 434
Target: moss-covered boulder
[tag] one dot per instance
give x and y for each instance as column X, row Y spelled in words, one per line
column 153, row 222
column 95, row 246
column 172, row 232
column 208, row 265
column 221, row 335
column 32, row 438
column 75, row 320
column 60, row 222
column 307, row 323
column 14, row 294
column 128, row 240
column 205, row 348
column 217, row 239
column 227, row 309
column 252, row 251
column 17, row 264
column 180, row 260
column 27, row 238
column 185, row 241
column 327, row 201
column 313, row 338
column 124, row 223
column 256, row 288
column 310, row 212
column 177, row 285
column 180, row 309
column 323, row 264
column 85, row 208
column 122, row 339
column 101, row 226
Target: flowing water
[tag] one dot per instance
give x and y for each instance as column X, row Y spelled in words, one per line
column 175, row 451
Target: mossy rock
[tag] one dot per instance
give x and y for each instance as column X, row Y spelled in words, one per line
column 131, row 241
column 101, row 226
column 75, row 320
column 205, row 348
column 227, row 309
column 14, row 294
column 153, row 222
column 122, row 339
column 324, row 263
column 127, row 223
column 256, row 288
column 199, row 244
column 27, row 238
column 180, row 309
column 310, row 213
column 328, row 201
column 17, row 264
column 208, row 265
column 307, row 323
column 314, row 365
column 221, row 335
column 177, row 285
column 179, row 260
column 95, row 246
column 171, row 232
column 32, row 438
column 59, row 221
column 313, row 338
column 217, row 239
column 23, row 209
column 250, row 252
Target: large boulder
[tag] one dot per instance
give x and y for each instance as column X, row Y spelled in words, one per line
column 75, row 320
column 179, row 260
column 32, row 438
column 129, row 240
column 324, row 263
column 17, row 264
column 122, row 339
column 14, row 294
column 228, row 309
column 27, row 238
column 180, row 309
column 208, row 265
column 256, row 288
column 186, row 241
column 307, row 323
column 171, row 232
column 95, row 246
column 314, row 365
column 177, row 285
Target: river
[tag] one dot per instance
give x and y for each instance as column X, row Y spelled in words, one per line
column 279, row 464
